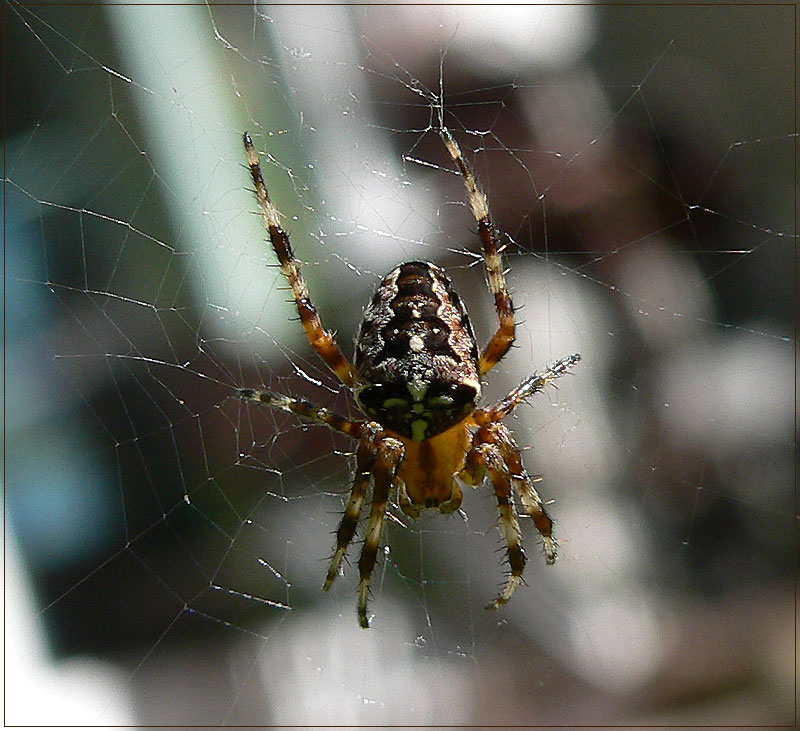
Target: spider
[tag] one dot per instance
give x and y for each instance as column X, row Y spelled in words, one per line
column 417, row 375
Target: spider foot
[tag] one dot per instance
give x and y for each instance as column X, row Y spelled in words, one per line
column 335, row 568
column 508, row 591
column 363, row 597
column 550, row 546
column 412, row 510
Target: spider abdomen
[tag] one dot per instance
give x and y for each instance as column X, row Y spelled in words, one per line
column 416, row 355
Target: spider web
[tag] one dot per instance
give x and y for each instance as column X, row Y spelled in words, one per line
column 638, row 161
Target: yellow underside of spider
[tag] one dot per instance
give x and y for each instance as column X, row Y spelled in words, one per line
column 426, row 474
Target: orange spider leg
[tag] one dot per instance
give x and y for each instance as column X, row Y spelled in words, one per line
column 523, row 484
column 531, row 385
column 321, row 340
column 496, row 433
column 502, row 339
column 486, row 457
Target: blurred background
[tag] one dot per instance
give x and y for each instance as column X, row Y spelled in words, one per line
column 165, row 545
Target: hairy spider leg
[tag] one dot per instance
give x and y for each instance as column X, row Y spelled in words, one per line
column 365, row 462
column 531, row 385
column 378, row 456
column 523, row 484
column 504, row 336
column 486, row 457
column 306, row 410
column 321, row 340
column 388, row 457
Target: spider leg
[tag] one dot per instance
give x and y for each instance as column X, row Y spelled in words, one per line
column 306, row 410
column 486, row 457
column 321, row 340
column 365, row 461
column 523, row 484
column 410, row 508
column 389, row 454
column 524, row 391
column 501, row 341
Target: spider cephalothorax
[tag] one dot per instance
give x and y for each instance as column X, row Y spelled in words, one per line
column 417, row 374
